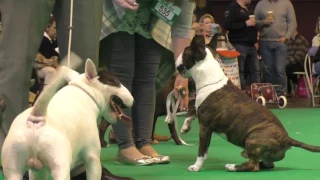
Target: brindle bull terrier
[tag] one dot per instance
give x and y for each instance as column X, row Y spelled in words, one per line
column 222, row 108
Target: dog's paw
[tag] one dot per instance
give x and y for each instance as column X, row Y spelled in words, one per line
column 266, row 165
column 193, row 168
column 231, row 167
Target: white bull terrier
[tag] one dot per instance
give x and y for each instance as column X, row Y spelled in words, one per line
column 60, row 132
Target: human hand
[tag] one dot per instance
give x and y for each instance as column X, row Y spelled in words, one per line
column 181, row 82
column 267, row 21
column 127, row 4
column 250, row 22
column 283, row 39
column 196, row 27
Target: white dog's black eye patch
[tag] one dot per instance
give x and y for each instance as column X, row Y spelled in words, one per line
column 106, row 77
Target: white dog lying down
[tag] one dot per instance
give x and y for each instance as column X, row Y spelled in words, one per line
column 60, row 132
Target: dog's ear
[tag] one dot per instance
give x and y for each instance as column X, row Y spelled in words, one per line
column 90, row 69
column 198, row 48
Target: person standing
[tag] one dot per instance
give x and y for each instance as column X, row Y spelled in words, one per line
column 131, row 49
column 243, row 36
column 277, row 23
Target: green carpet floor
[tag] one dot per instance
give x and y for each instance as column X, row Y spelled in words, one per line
column 302, row 124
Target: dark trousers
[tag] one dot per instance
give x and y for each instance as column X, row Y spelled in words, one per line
column 248, row 62
column 290, row 69
column 134, row 60
column 274, row 58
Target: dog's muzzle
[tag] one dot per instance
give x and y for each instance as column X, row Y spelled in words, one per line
column 183, row 71
column 116, row 105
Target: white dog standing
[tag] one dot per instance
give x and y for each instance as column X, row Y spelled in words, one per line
column 60, row 132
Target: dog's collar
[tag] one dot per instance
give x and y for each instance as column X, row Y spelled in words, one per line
column 209, row 85
column 84, row 90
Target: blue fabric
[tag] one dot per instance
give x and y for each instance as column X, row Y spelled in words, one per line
column 274, row 57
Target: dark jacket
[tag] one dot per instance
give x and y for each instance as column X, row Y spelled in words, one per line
column 47, row 47
column 235, row 22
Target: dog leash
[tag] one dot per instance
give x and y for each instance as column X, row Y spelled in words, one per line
column 70, row 32
column 172, row 116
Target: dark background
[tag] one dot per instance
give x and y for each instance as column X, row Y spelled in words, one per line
column 307, row 13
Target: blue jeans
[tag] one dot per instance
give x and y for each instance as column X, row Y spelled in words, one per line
column 317, row 67
column 274, row 57
column 248, row 62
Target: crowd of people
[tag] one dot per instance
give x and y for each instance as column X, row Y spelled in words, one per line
column 118, row 39
column 271, row 35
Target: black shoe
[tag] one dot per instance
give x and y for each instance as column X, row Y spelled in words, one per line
column 106, row 175
column 26, row 176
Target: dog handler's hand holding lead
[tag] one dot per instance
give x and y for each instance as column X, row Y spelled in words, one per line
column 127, row 4
column 182, row 82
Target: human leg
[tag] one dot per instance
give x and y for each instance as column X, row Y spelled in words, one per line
column 23, row 25
column 280, row 67
column 117, row 52
column 254, row 66
column 143, row 88
column 86, row 28
column 290, row 69
column 144, row 93
column 317, row 67
column 241, row 63
column 267, row 61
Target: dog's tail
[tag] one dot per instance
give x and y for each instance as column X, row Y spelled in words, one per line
column 57, row 79
column 302, row 145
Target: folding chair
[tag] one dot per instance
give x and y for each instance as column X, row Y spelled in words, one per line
column 305, row 80
column 313, row 84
